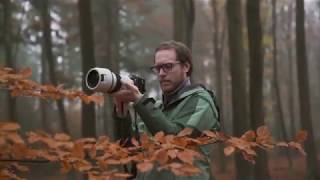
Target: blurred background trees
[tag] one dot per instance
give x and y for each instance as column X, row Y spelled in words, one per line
column 261, row 58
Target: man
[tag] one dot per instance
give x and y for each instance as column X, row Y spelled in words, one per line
column 183, row 105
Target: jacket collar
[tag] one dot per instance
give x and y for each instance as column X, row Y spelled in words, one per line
column 183, row 90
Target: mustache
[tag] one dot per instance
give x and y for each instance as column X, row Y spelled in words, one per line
column 164, row 80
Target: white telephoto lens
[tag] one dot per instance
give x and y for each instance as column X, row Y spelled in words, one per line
column 101, row 80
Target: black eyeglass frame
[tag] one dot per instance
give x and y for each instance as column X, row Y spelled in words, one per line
column 166, row 67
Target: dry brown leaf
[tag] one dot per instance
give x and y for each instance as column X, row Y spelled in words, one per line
column 298, row 147
column 61, row 137
column 301, row 136
column 15, row 138
column 186, row 156
column 112, row 162
column 249, row 136
column 282, row 144
column 78, row 150
column 145, row 166
column 161, row 156
column 160, row 137
column 229, row 150
column 20, row 167
column 209, row 134
column 121, row 175
column 9, row 126
column 185, row 132
column 65, row 166
column 26, row 72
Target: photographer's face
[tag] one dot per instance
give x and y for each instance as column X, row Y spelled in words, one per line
column 171, row 72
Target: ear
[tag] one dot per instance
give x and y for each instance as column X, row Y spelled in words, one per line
column 186, row 67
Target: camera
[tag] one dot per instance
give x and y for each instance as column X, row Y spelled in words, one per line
column 106, row 81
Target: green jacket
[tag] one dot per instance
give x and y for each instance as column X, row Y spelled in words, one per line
column 192, row 108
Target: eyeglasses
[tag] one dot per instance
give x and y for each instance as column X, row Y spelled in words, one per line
column 167, row 67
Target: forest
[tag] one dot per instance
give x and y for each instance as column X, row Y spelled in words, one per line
column 259, row 56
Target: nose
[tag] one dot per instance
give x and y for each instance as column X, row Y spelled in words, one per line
column 161, row 72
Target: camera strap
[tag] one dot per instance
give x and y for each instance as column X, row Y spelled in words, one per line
column 136, row 128
column 132, row 169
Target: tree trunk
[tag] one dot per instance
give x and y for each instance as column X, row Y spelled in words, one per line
column 88, row 61
column 47, row 49
column 10, row 62
column 304, row 93
column 184, row 16
column 238, row 76
column 112, row 61
column 256, row 74
column 218, row 47
column 276, row 80
column 291, row 68
column 43, row 102
column 183, row 22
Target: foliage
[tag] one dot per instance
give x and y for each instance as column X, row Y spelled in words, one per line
column 19, row 85
column 101, row 158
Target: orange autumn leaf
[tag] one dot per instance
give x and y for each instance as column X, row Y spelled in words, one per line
column 301, row 136
column 249, row 136
column 172, row 153
column 65, row 166
column 14, row 137
column 263, row 132
column 298, row 147
column 160, row 137
column 229, row 150
column 282, row 144
column 248, row 157
column 209, row 133
column 185, row 132
column 121, row 175
column 162, row 156
column 9, row 126
column 62, row 137
column 78, row 150
column 187, row 156
column 145, row 166
column 20, row 167
column 112, row 162
column 189, row 170
column 26, row 72
column 82, row 165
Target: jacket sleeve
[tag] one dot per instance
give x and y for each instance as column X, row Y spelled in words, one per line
column 196, row 113
column 154, row 118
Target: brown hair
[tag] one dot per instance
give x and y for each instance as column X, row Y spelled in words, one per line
column 182, row 51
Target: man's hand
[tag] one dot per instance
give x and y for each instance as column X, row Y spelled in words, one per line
column 128, row 93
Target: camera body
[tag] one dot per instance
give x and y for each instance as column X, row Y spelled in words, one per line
column 106, row 81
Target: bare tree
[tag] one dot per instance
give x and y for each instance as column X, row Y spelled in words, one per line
column 278, row 102
column 304, row 92
column 49, row 57
column 184, row 17
column 112, row 60
column 218, row 47
column 256, row 74
column 88, row 61
column 10, row 62
column 291, row 67
column 238, row 75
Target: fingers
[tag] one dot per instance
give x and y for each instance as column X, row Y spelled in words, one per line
column 131, row 87
column 119, row 107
